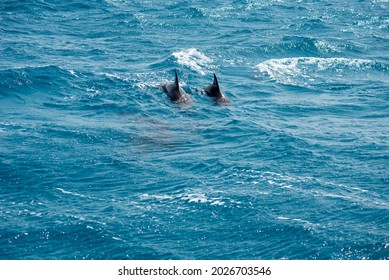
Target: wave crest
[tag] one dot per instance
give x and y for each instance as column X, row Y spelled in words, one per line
column 195, row 60
column 311, row 71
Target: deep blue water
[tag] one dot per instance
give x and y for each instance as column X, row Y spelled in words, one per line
column 97, row 163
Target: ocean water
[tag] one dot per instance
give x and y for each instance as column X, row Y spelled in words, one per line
column 97, row 163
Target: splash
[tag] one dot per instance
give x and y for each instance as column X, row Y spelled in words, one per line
column 310, row 71
column 194, row 59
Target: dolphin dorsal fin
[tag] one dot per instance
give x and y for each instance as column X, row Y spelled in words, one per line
column 176, row 80
column 215, row 82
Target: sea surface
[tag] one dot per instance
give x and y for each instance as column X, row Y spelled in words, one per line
column 97, row 163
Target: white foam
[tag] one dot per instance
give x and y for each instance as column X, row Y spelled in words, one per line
column 282, row 218
column 145, row 85
column 72, row 72
column 197, row 198
column 296, row 220
column 194, row 59
column 157, row 197
column 202, row 198
column 326, row 47
column 115, row 76
column 116, row 2
column 302, row 71
column 71, row 193
column 217, row 202
column 259, row 4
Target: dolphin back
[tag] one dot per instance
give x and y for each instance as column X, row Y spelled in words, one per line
column 213, row 90
column 175, row 92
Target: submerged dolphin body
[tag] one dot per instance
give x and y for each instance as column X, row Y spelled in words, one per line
column 175, row 92
column 213, row 90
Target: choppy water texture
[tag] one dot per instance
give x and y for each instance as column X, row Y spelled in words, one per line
column 97, row 163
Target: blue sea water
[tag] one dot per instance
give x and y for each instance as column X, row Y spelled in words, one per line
column 97, row 163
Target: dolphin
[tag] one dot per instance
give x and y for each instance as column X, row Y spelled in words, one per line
column 213, row 90
column 175, row 92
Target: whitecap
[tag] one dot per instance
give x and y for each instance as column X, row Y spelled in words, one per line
column 298, row 220
column 194, row 59
column 282, row 218
column 326, row 47
column 197, row 198
column 308, row 71
column 70, row 193
column 218, row 202
column 145, row 85
column 73, row 73
column 156, row 197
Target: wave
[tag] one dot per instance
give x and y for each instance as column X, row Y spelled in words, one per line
column 56, row 78
column 191, row 197
column 195, row 60
column 303, row 46
column 43, row 75
column 313, row 71
column 17, row 82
